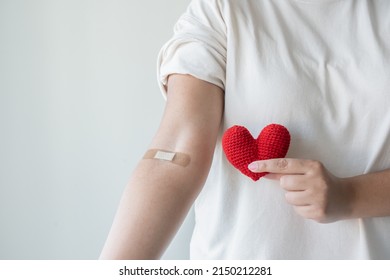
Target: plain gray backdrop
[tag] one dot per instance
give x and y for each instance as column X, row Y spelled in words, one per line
column 79, row 103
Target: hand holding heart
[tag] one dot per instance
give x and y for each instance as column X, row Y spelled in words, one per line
column 310, row 188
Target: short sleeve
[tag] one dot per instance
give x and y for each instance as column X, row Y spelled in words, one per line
column 198, row 46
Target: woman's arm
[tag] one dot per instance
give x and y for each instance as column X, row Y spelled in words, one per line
column 317, row 194
column 160, row 193
column 369, row 194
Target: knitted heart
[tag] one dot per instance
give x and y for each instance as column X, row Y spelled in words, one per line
column 241, row 148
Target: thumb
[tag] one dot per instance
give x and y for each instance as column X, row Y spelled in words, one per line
column 273, row 176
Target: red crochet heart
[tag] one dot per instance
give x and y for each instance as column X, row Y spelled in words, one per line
column 241, row 148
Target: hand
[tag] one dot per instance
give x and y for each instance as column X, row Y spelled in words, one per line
column 310, row 188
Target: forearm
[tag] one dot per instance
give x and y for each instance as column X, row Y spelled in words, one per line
column 159, row 194
column 369, row 195
column 153, row 206
column 317, row 194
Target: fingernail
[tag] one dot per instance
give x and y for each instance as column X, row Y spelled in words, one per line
column 253, row 166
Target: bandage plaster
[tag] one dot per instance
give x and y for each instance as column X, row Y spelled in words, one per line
column 173, row 157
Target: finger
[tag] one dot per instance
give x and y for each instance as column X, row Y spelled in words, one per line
column 273, row 176
column 297, row 198
column 303, row 211
column 293, row 182
column 281, row 165
column 312, row 213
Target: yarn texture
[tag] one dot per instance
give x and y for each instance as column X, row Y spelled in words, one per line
column 241, row 148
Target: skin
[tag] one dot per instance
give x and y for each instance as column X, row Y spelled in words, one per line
column 317, row 194
column 159, row 194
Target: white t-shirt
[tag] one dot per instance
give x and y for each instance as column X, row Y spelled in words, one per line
column 322, row 69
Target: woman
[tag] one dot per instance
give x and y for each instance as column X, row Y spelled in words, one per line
column 321, row 68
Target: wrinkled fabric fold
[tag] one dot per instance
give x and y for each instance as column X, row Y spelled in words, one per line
column 195, row 49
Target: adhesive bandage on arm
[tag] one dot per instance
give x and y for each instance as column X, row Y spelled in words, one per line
column 173, row 157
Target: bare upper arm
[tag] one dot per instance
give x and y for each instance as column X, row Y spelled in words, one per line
column 191, row 118
column 159, row 193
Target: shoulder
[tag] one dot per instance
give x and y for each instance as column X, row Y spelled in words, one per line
column 221, row 8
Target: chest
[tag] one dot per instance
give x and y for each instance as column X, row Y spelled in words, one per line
column 331, row 64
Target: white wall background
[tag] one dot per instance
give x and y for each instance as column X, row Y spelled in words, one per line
column 79, row 103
